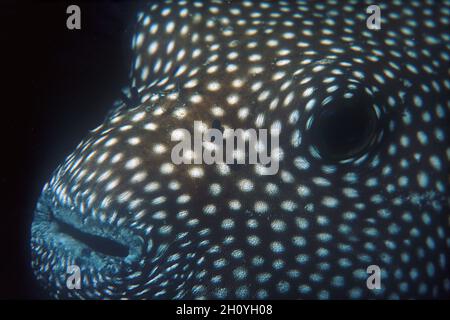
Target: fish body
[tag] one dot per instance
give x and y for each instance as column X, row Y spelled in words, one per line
column 140, row 227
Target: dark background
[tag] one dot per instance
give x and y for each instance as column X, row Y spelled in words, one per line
column 56, row 85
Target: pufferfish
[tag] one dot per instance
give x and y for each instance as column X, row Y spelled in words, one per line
column 362, row 118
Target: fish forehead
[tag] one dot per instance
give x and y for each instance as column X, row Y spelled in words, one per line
column 259, row 91
column 229, row 38
column 269, row 65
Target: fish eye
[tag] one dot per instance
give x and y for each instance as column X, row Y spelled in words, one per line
column 347, row 128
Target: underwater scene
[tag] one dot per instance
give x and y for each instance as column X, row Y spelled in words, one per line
column 248, row 150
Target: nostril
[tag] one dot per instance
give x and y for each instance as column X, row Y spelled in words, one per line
column 95, row 243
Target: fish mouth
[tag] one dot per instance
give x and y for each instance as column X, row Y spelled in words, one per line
column 99, row 244
column 62, row 238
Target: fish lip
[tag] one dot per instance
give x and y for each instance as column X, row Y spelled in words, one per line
column 46, row 233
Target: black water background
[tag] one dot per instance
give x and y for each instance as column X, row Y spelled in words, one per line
column 56, row 85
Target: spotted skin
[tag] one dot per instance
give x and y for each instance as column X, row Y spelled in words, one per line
column 219, row 231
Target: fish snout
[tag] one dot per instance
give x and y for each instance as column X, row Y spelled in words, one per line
column 84, row 253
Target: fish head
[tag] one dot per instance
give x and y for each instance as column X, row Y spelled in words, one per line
column 362, row 160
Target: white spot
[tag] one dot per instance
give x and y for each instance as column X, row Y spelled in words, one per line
column 159, row 148
column 196, row 172
column 152, row 186
column 166, row 168
column 245, row 185
column 261, row 207
column 133, row 163
column 213, row 86
column 139, row 177
column 138, row 117
column 330, row 202
column 134, row 141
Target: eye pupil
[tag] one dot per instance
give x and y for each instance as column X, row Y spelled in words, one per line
column 345, row 129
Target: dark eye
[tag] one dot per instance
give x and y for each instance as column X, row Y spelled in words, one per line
column 346, row 128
